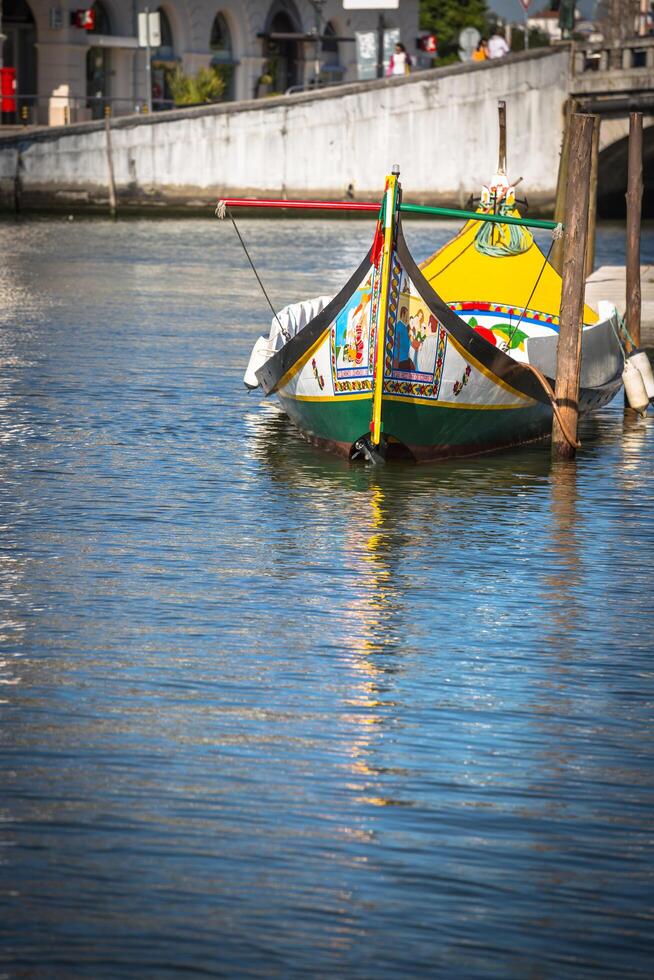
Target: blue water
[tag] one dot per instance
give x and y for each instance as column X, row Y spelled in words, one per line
column 265, row 713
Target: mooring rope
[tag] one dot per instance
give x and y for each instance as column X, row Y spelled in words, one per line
column 549, row 391
column 623, row 327
column 222, row 209
column 621, row 343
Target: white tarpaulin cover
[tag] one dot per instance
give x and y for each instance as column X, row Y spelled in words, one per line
column 286, row 324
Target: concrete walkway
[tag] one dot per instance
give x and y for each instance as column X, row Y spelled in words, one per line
column 609, row 282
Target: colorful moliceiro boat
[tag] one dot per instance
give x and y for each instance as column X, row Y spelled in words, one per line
column 450, row 358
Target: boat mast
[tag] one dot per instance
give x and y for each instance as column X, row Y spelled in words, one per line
column 390, row 204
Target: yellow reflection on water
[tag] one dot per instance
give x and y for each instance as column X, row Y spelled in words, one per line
column 369, row 551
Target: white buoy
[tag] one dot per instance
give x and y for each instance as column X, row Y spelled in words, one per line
column 634, row 387
column 640, row 360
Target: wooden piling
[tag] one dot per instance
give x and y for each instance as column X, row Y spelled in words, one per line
column 556, row 259
column 501, row 160
column 568, row 356
column 592, row 201
column 634, row 208
column 110, row 168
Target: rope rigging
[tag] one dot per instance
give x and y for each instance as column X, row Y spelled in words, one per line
column 222, row 210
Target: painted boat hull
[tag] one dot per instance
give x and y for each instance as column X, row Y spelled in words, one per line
column 447, row 391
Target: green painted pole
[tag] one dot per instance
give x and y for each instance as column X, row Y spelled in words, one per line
column 502, row 219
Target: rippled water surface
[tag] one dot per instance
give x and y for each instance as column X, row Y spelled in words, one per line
column 265, row 713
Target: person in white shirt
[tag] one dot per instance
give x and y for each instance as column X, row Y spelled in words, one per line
column 400, row 63
column 497, row 46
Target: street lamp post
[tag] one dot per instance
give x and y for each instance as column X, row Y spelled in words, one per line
column 318, row 6
column 148, row 62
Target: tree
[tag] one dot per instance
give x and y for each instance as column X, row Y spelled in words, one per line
column 207, row 86
column 447, row 18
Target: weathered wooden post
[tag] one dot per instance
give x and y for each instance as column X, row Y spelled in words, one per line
column 110, row 167
column 634, row 207
column 562, row 181
column 592, row 202
column 501, row 158
column 568, row 356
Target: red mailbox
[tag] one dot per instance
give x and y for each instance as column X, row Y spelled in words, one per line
column 8, row 89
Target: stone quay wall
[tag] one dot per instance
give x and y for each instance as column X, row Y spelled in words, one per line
column 440, row 126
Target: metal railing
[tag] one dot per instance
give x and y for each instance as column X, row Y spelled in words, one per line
column 631, row 53
column 76, row 108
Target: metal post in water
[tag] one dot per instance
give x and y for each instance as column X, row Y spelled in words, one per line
column 634, row 208
column 568, row 354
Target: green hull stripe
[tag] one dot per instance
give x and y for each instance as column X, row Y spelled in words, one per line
column 418, row 425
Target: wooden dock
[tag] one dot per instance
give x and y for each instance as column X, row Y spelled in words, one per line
column 609, row 282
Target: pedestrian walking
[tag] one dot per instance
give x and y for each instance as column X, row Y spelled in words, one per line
column 400, row 63
column 497, row 46
column 481, row 51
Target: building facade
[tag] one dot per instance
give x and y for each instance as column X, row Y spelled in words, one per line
column 73, row 64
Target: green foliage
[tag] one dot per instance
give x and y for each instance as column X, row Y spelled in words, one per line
column 207, row 86
column 536, row 39
column 447, row 18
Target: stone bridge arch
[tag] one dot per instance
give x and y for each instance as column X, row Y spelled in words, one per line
column 612, row 170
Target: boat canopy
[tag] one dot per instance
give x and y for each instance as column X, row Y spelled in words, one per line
column 460, row 272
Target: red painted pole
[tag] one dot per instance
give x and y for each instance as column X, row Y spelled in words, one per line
column 244, row 202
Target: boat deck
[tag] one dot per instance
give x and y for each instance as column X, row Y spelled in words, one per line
column 609, row 282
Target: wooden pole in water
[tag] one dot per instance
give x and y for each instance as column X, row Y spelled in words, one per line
column 110, row 168
column 592, row 203
column 556, row 259
column 634, row 207
column 501, row 162
column 568, row 354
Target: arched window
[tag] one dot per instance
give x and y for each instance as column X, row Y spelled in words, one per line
column 221, row 40
column 166, row 48
column 331, row 70
column 329, row 46
column 102, row 23
column 283, row 54
column 98, row 64
column 222, row 54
